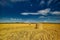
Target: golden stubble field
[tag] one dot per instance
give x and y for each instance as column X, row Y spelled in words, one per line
column 30, row 31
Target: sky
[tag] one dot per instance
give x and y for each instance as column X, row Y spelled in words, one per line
column 30, row 11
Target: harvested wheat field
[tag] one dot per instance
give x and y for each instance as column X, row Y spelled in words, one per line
column 30, row 31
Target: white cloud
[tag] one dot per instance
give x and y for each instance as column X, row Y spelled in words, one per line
column 29, row 13
column 42, row 2
column 15, row 19
column 55, row 12
column 44, row 12
column 25, row 13
column 49, row 2
column 11, row 20
column 42, row 17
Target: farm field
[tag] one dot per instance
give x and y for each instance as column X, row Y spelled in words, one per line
column 30, row 31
